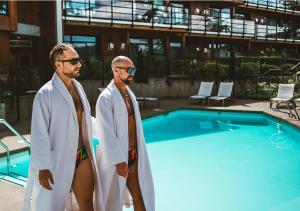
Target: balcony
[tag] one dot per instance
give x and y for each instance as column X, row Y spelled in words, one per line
column 173, row 17
column 127, row 12
column 278, row 5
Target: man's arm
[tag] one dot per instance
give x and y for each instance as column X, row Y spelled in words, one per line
column 40, row 143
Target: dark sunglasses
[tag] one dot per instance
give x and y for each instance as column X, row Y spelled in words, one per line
column 72, row 61
column 130, row 70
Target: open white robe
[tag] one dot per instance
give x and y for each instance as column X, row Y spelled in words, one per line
column 54, row 143
column 112, row 120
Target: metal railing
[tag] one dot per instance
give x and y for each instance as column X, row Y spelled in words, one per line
column 280, row 5
column 4, row 122
column 174, row 16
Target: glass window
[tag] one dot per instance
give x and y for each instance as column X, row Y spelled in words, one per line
column 158, row 46
column 239, row 16
column 143, row 44
column 224, row 51
column 83, row 39
column 84, row 45
column 214, row 12
column 225, row 13
column 67, row 38
column 3, row 7
column 175, row 44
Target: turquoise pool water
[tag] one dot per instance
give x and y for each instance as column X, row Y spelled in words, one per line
column 223, row 161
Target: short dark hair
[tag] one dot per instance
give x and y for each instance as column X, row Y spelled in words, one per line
column 58, row 52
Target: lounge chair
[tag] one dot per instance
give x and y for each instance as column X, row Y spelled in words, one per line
column 224, row 92
column 204, row 91
column 284, row 95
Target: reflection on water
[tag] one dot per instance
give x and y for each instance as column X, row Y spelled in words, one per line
column 281, row 141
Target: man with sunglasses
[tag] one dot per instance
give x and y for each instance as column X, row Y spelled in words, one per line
column 122, row 158
column 62, row 157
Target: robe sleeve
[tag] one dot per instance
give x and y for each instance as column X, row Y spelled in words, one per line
column 105, row 123
column 40, row 142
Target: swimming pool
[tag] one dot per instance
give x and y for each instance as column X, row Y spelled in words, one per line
column 223, row 161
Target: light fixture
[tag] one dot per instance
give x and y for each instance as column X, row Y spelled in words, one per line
column 262, row 20
column 18, row 37
column 205, row 50
column 256, row 20
column 196, row 11
column 205, row 12
column 110, row 46
column 123, row 46
column 197, row 49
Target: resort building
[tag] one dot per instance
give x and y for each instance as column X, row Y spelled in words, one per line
column 178, row 43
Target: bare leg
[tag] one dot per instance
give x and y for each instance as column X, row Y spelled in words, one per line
column 83, row 185
column 134, row 188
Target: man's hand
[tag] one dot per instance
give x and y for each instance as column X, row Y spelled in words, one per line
column 44, row 177
column 122, row 169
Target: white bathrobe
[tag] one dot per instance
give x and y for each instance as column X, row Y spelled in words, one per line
column 54, row 143
column 112, row 120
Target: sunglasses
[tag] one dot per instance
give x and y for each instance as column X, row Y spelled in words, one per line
column 130, row 70
column 73, row 61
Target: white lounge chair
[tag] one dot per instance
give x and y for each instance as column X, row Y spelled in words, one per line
column 224, row 92
column 204, row 91
column 284, row 95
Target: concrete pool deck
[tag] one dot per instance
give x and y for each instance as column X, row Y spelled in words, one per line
column 11, row 196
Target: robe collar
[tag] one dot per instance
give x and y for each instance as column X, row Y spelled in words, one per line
column 59, row 84
column 114, row 90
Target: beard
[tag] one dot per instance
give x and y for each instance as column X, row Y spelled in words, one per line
column 73, row 74
column 128, row 80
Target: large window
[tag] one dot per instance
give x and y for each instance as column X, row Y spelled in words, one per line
column 85, row 46
column 142, row 44
column 158, row 46
column 152, row 55
column 3, row 7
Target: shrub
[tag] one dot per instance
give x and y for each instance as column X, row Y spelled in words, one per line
column 286, row 68
column 250, row 68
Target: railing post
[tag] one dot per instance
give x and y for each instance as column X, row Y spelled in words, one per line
column 132, row 13
column 285, row 34
column 205, row 23
column 267, row 27
column 243, row 27
column 231, row 23
column 219, row 25
column 284, row 6
column 294, row 32
column 276, row 36
column 256, row 88
column 89, row 11
column 171, row 16
column 152, row 9
column 111, row 12
column 189, row 21
column 65, row 10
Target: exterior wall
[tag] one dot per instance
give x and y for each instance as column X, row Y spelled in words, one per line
column 4, row 50
column 155, row 88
